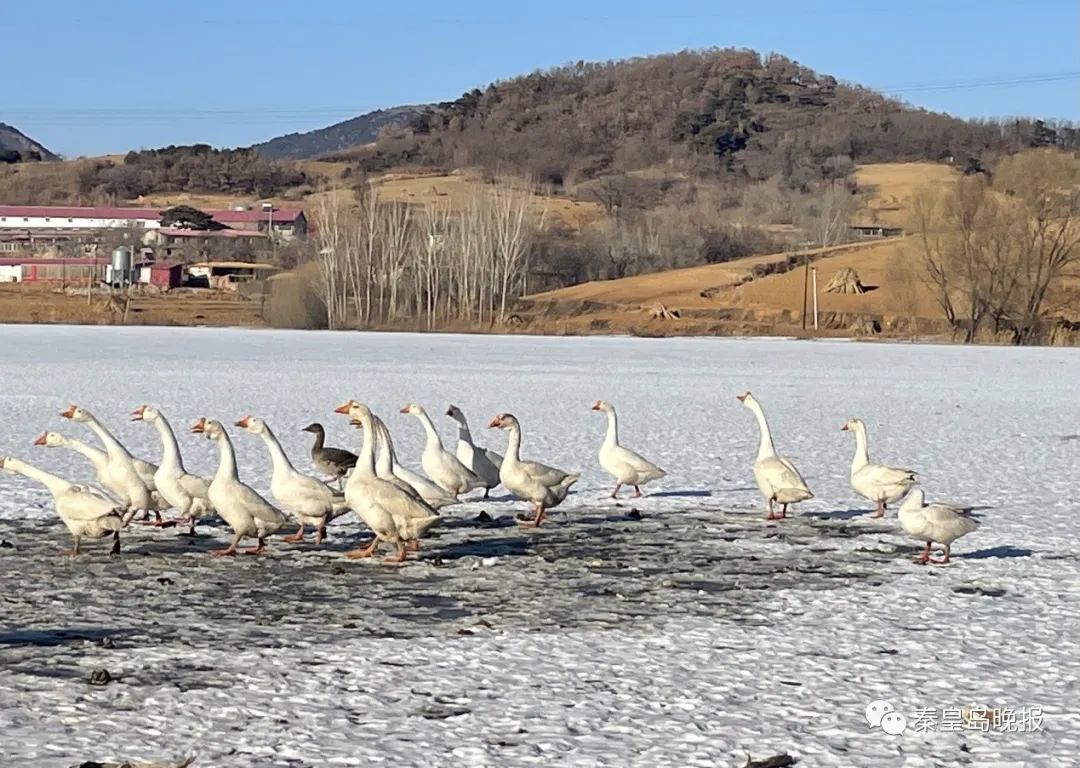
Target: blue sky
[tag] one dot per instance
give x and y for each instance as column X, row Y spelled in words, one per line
column 89, row 77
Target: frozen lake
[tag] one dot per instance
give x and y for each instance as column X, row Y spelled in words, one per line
column 681, row 628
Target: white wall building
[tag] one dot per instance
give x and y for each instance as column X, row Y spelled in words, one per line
column 285, row 223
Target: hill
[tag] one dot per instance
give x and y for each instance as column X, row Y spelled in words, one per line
column 14, row 140
column 350, row 133
column 701, row 113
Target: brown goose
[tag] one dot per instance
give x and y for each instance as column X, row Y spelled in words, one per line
column 335, row 462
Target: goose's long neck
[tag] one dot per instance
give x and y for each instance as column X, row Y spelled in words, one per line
column 433, row 438
column 513, row 444
column 915, row 501
column 366, row 462
column 170, row 450
column 320, row 440
column 227, row 465
column 281, row 463
column 862, row 458
column 463, row 433
column 56, row 485
column 384, row 463
column 112, row 445
column 766, row 449
column 612, row 437
column 97, row 458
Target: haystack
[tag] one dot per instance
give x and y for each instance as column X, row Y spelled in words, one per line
column 660, row 312
column 845, row 280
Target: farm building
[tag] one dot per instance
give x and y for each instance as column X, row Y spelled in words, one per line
column 285, row 223
column 227, row 275
column 875, row 230
column 62, row 270
column 163, row 274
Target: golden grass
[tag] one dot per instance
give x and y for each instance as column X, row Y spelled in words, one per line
column 892, row 186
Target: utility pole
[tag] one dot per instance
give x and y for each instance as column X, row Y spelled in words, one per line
column 805, row 286
column 813, row 281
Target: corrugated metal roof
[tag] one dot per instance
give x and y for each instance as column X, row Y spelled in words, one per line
column 78, row 212
column 227, row 216
column 234, row 265
column 229, row 233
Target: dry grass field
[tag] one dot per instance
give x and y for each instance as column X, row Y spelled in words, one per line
column 710, row 299
column 706, row 296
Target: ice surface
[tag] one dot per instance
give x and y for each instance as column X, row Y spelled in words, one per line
column 690, row 636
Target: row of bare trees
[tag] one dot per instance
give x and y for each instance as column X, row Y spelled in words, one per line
column 998, row 254
column 384, row 261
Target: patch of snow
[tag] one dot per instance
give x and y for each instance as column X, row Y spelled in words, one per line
column 692, row 635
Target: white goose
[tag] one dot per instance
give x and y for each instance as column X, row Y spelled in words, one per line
column 776, row 477
column 482, row 462
column 123, row 473
column 84, row 512
column 627, row 467
column 246, row 512
column 933, row 523
column 188, row 493
column 434, row 496
column 544, row 486
column 881, row 484
column 100, row 461
column 309, row 499
column 384, row 460
column 392, row 514
column 440, row 465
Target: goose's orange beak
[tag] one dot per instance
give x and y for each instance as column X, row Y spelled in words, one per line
column 42, row 439
column 200, row 427
column 243, row 423
column 742, row 398
column 69, row 413
column 596, row 406
column 496, row 422
column 2, row 458
column 404, row 409
column 137, row 414
column 844, row 428
column 344, row 407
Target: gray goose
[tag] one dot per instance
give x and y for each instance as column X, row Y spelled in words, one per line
column 335, row 462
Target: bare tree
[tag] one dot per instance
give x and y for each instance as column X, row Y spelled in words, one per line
column 1044, row 202
column 515, row 222
column 828, row 213
column 334, row 214
column 1000, row 252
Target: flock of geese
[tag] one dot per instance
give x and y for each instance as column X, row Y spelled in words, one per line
column 396, row 503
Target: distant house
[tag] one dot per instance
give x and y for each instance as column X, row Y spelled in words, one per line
column 163, row 274
column 227, row 275
column 875, row 230
column 286, row 223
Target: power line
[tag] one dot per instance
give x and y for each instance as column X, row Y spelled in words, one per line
column 90, row 115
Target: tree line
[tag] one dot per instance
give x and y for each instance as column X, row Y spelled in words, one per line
column 384, row 262
column 997, row 248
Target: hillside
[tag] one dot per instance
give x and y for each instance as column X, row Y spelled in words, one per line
column 350, row 133
column 764, row 293
column 701, row 113
column 14, row 140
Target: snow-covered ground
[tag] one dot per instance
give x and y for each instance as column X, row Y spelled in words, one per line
column 688, row 633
